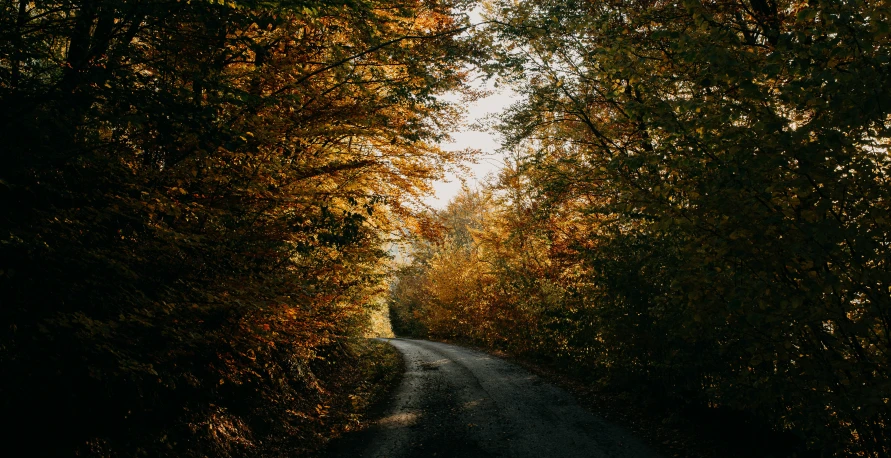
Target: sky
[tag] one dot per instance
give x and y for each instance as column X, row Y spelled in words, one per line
column 489, row 162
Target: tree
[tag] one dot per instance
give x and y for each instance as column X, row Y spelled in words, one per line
column 734, row 158
column 195, row 198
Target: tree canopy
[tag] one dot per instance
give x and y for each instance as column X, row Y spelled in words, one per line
column 699, row 206
column 196, row 199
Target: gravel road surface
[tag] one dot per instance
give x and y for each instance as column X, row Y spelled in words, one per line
column 456, row 402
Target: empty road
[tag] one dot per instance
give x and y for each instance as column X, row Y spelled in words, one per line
column 456, row 402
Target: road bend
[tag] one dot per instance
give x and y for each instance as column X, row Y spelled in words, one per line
column 457, row 402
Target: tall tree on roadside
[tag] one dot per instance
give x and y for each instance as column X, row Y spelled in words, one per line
column 194, row 197
column 738, row 151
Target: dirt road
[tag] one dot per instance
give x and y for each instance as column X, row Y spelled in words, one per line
column 456, row 402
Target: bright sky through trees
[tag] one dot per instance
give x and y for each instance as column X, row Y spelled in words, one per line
column 467, row 137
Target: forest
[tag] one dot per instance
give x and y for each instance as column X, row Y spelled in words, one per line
column 199, row 202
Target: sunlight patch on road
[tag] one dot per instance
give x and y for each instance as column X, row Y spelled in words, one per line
column 400, row 420
column 471, row 404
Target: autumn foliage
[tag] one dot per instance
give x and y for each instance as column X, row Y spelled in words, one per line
column 697, row 208
column 195, row 201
